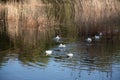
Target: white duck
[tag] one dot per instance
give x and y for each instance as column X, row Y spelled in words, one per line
column 97, row 37
column 70, row 55
column 57, row 38
column 89, row 39
column 62, row 45
column 100, row 33
column 48, row 52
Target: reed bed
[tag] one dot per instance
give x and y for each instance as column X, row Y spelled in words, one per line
column 32, row 21
column 26, row 23
column 90, row 16
column 94, row 16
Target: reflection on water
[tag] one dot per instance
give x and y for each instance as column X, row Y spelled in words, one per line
column 28, row 29
column 99, row 60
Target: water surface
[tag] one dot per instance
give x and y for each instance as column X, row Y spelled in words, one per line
column 27, row 31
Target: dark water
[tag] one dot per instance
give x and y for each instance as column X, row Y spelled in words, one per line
column 23, row 41
column 95, row 61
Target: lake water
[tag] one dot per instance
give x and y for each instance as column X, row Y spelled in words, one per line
column 95, row 61
column 24, row 40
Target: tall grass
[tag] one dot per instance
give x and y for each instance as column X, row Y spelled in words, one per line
column 91, row 16
column 97, row 16
column 28, row 22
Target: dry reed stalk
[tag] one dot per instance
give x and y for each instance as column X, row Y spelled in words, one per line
column 27, row 15
column 28, row 21
column 12, row 18
column 97, row 15
column 96, row 9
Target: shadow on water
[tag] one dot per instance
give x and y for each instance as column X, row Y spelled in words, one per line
column 27, row 29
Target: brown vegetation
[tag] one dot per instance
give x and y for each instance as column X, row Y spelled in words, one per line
column 95, row 16
column 32, row 18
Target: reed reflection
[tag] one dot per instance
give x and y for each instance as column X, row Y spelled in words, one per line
column 100, row 56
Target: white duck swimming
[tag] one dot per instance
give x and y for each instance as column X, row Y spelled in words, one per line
column 70, row 55
column 62, row 45
column 89, row 39
column 97, row 37
column 57, row 38
column 48, row 52
column 100, row 33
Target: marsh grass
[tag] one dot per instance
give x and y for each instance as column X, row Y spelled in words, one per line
column 95, row 16
column 33, row 23
column 26, row 24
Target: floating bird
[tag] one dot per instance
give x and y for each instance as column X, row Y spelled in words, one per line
column 89, row 39
column 48, row 52
column 100, row 33
column 62, row 45
column 70, row 55
column 97, row 37
column 57, row 38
